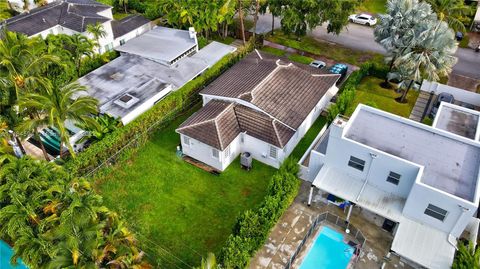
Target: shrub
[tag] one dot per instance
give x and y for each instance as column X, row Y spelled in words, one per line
column 90, row 64
column 136, row 133
column 347, row 91
column 253, row 226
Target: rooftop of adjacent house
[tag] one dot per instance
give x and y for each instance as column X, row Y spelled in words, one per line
column 458, row 120
column 282, row 89
column 218, row 123
column 450, row 164
column 160, row 44
column 128, row 24
column 72, row 14
column 142, row 78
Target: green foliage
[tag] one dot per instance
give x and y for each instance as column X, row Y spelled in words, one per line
column 162, row 112
column 57, row 221
column 91, row 63
column 253, row 226
column 466, row 257
column 105, row 125
column 298, row 16
column 347, row 94
column 274, row 51
column 455, row 12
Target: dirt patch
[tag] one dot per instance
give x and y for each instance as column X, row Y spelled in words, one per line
column 246, row 192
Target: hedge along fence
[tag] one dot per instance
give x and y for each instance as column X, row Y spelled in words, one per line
column 253, row 227
column 137, row 132
column 347, row 91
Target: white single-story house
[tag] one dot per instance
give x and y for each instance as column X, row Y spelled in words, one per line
column 423, row 180
column 263, row 105
column 73, row 16
column 150, row 66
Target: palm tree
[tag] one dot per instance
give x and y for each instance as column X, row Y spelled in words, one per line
column 431, row 55
column 32, row 124
column 106, row 124
column 397, row 29
column 451, row 12
column 466, row 257
column 97, row 31
column 62, row 104
column 124, row 3
column 81, row 47
column 240, row 15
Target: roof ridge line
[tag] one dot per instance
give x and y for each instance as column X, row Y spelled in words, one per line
column 276, row 133
column 40, row 9
column 263, row 82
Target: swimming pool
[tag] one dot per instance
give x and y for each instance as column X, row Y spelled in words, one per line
column 328, row 251
column 6, row 253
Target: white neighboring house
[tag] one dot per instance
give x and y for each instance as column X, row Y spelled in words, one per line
column 262, row 105
column 150, row 67
column 73, row 16
column 424, row 180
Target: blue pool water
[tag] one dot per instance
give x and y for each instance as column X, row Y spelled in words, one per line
column 6, row 253
column 328, row 251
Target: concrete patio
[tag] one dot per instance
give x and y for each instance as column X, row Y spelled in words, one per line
column 292, row 227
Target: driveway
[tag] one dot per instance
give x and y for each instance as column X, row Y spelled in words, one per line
column 360, row 37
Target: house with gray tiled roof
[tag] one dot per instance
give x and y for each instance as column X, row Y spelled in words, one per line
column 263, row 105
column 73, row 16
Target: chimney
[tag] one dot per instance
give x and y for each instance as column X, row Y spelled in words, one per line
column 193, row 35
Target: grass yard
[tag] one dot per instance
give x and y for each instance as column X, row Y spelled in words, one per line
column 334, row 52
column 370, row 93
column 178, row 211
column 373, row 6
column 291, row 56
column 307, row 140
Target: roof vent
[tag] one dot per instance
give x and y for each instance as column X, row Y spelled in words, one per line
column 44, row 21
column 192, row 32
column 126, row 101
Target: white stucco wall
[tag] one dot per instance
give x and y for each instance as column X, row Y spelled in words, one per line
column 422, row 195
column 145, row 106
column 203, row 152
column 142, row 29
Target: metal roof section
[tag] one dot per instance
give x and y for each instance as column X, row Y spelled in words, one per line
column 423, row 244
column 160, row 44
column 451, row 162
column 458, row 120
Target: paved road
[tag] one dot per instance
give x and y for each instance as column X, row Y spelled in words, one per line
column 360, row 37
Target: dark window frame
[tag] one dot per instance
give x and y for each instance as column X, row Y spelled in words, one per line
column 394, row 178
column 436, row 212
column 356, row 163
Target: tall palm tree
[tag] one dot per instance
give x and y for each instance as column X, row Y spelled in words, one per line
column 32, row 124
column 81, row 47
column 240, row 15
column 431, row 55
column 62, row 104
column 451, row 11
column 97, row 31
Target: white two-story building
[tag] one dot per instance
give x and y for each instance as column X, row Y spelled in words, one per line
column 423, row 179
column 73, row 16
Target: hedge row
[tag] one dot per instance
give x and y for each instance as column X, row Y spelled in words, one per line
column 347, row 91
column 253, row 227
column 163, row 112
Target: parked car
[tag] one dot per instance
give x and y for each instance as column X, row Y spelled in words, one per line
column 442, row 97
column 318, row 64
column 364, row 19
column 339, row 69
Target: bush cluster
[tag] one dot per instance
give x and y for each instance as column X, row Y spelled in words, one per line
column 253, row 226
column 347, row 91
column 157, row 117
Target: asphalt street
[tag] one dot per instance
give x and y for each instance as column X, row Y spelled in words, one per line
column 360, row 37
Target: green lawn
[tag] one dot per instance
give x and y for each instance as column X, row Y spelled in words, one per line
column 373, row 6
column 334, row 52
column 178, row 211
column 370, row 93
column 291, row 56
column 307, row 140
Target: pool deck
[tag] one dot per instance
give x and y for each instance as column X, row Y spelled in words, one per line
column 295, row 222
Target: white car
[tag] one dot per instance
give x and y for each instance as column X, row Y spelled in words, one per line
column 364, row 19
column 318, row 64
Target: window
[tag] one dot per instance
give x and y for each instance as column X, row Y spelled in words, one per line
column 226, row 153
column 186, row 140
column 122, row 42
column 356, row 163
column 215, row 153
column 393, row 178
column 273, row 152
column 436, row 212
